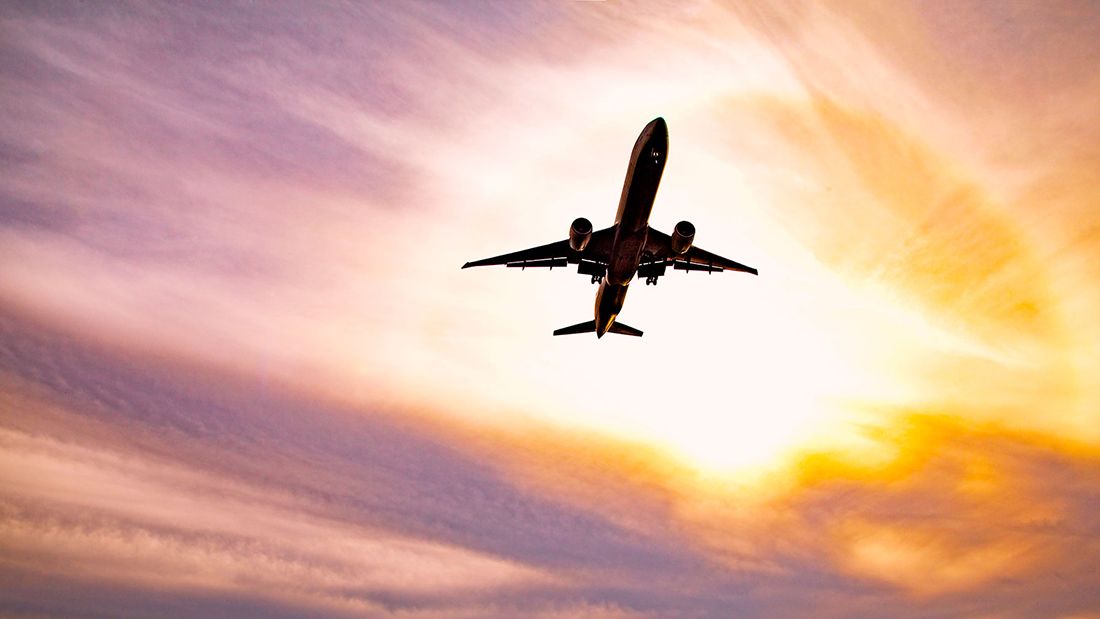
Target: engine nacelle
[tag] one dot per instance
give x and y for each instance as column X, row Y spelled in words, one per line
column 580, row 233
column 682, row 236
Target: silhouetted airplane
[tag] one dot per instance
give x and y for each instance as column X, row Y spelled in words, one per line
column 613, row 255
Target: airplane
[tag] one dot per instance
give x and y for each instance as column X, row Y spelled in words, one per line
column 613, row 256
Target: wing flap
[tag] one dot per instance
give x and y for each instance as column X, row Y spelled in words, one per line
column 548, row 263
column 694, row 266
column 596, row 269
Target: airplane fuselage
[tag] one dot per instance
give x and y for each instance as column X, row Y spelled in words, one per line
column 643, row 176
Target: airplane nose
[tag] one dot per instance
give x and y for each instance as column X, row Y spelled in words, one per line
column 658, row 131
column 658, row 127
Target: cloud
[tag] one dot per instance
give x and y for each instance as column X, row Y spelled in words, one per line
column 165, row 482
column 137, row 479
column 242, row 375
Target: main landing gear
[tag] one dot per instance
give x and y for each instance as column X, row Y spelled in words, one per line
column 596, row 279
column 651, row 280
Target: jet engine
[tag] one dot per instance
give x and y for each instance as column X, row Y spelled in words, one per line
column 580, row 233
column 682, row 236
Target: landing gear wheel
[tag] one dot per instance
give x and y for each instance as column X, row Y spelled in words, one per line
column 651, row 280
column 596, row 279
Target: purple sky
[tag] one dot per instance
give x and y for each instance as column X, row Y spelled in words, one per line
column 241, row 373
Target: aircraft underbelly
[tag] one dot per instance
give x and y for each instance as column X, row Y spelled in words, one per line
column 627, row 254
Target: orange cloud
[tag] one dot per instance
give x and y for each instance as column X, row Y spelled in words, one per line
column 239, row 363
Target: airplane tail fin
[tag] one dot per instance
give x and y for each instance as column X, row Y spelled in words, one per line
column 590, row 327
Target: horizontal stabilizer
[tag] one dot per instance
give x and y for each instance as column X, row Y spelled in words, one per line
column 590, row 327
column 621, row 329
column 584, row 327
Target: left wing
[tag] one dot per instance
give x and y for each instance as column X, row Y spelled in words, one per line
column 658, row 254
column 557, row 254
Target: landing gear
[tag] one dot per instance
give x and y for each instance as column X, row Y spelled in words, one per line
column 651, row 280
column 596, row 279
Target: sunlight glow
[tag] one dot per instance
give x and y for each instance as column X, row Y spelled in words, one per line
column 788, row 362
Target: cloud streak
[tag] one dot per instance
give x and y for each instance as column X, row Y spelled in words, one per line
column 162, row 484
column 242, row 375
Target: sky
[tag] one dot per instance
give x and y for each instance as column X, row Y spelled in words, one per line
column 243, row 375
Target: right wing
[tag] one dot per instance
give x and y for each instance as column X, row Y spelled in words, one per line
column 659, row 253
column 696, row 255
column 557, row 254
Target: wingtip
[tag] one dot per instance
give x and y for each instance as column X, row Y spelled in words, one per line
column 466, row 266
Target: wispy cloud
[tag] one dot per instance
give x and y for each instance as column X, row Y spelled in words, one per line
column 242, row 374
column 167, row 482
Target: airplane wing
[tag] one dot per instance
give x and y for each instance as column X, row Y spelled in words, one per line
column 556, row 254
column 658, row 252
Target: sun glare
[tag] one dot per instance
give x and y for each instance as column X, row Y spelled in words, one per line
column 840, row 327
column 799, row 377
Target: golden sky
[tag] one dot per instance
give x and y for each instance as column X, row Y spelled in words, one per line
column 243, row 375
